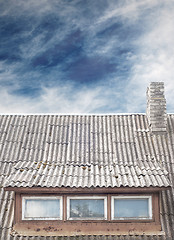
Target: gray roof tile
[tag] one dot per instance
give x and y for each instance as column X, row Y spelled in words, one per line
column 81, row 151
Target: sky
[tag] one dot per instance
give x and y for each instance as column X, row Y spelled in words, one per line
column 84, row 56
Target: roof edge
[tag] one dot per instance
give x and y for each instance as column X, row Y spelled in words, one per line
column 86, row 189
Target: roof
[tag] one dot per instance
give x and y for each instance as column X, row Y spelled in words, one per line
column 85, row 151
column 80, row 151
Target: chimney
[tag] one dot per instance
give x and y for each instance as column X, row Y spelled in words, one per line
column 156, row 108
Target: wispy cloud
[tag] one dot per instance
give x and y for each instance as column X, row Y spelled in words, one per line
column 154, row 60
column 84, row 56
column 54, row 100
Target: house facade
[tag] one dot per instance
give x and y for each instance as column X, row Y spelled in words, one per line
column 88, row 176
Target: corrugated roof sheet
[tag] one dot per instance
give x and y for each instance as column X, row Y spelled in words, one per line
column 40, row 145
column 81, row 151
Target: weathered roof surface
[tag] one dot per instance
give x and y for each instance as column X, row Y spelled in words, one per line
column 34, row 148
column 80, row 151
column 88, row 175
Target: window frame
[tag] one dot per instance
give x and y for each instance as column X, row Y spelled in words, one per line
column 150, row 206
column 24, row 198
column 87, row 197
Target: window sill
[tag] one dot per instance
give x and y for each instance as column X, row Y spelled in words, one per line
column 42, row 221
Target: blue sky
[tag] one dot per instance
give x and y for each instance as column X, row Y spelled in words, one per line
column 84, row 56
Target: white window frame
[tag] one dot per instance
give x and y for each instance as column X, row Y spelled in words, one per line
column 87, row 197
column 132, row 197
column 42, row 198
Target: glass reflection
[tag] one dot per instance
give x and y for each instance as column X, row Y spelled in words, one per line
column 86, row 208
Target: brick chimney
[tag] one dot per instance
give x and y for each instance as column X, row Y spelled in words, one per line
column 156, row 108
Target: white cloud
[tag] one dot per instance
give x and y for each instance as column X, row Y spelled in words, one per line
column 154, row 60
column 129, row 10
column 53, row 100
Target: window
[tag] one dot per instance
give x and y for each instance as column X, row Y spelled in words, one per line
column 41, row 208
column 131, row 207
column 86, row 212
column 87, row 207
column 84, row 208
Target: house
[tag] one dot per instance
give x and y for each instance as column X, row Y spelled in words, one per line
column 90, row 177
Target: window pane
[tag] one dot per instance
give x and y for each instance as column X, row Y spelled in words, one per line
column 40, row 208
column 131, row 208
column 86, row 208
